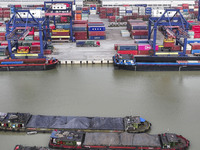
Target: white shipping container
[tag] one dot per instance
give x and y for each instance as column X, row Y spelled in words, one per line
column 196, row 9
column 128, row 14
column 191, row 7
column 59, row 6
column 122, row 8
column 128, row 8
column 93, row 12
column 36, row 33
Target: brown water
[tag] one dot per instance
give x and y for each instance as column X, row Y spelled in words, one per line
column 169, row 100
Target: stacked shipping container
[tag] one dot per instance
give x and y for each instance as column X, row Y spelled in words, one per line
column 138, row 29
column 80, row 29
column 96, row 31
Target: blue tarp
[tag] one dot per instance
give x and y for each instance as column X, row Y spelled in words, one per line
column 142, row 120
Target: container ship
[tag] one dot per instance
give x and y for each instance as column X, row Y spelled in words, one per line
column 156, row 63
column 134, row 141
column 25, row 122
column 27, row 64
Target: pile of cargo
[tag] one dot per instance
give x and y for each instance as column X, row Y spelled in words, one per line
column 138, row 29
column 4, row 14
column 96, row 31
column 80, row 29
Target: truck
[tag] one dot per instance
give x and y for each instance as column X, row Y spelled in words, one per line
column 87, row 43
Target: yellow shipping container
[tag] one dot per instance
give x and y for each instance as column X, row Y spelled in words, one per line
column 60, row 30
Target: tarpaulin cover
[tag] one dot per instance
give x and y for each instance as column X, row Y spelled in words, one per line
column 121, row 139
column 65, row 122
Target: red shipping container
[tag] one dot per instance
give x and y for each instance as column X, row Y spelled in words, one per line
column 36, row 38
column 52, row 27
column 81, row 37
column 2, row 33
column 195, row 46
column 188, row 51
column 35, row 48
column 143, row 52
column 78, row 11
column 47, row 51
column 139, row 32
column 5, row 43
column 35, row 43
column 6, row 12
column 34, row 52
column 93, row 5
column 176, row 48
column 6, row 8
column 80, row 21
column 63, row 19
column 197, row 35
column 97, row 33
column 134, row 52
column 85, row 8
column 168, row 44
column 196, row 27
column 2, row 38
column 80, row 33
column 60, row 33
column 6, row 16
column 18, row 6
column 23, row 47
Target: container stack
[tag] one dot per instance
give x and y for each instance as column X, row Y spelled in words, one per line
column 102, row 12
column 80, row 30
column 85, row 13
column 96, row 31
column 3, row 50
column 126, row 48
column 128, row 11
column 2, row 32
column 195, row 48
column 148, row 10
column 93, row 9
column 196, row 29
column 109, row 12
column 122, row 11
column 78, row 14
column 61, row 34
column 138, row 29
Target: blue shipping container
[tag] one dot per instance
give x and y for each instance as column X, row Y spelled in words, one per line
column 97, row 37
column 109, row 14
column 79, row 29
column 63, row 26
column 92, row 8
column 148, row 8
column 193, row 41
column 144, row 37
column 139, row 27
column 94, row 28
column 95, row 24
column 185, row 10
column 128, row 11
column 195, row 51
column 11, row 62
column 126, row 47
column 85, row 12
column 142, row 41
column 191, row 10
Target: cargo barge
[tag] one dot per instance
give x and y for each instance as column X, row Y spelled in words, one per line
column 122, row 141
column 156, row 63
column 25, row 122
column 27, row 64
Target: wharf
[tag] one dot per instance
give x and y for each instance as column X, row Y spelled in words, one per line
column 68, row 53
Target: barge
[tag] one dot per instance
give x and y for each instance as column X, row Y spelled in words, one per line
column 27, row 64
column 156, row 63
column 113, row 141
column 20, row 147
column 25, row 122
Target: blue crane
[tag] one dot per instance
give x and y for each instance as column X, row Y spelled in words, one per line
column 176, row 20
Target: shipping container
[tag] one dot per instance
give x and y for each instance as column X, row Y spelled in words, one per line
column 95, row 28
column 133, row 52
column 146, row 47
column 97, row 37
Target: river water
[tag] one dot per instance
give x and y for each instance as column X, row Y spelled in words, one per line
column 169, row 100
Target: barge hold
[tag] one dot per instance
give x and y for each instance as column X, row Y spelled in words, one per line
column 26, row 122
column 122, row 141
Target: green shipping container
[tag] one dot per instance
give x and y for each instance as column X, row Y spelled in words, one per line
column 29, row 38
